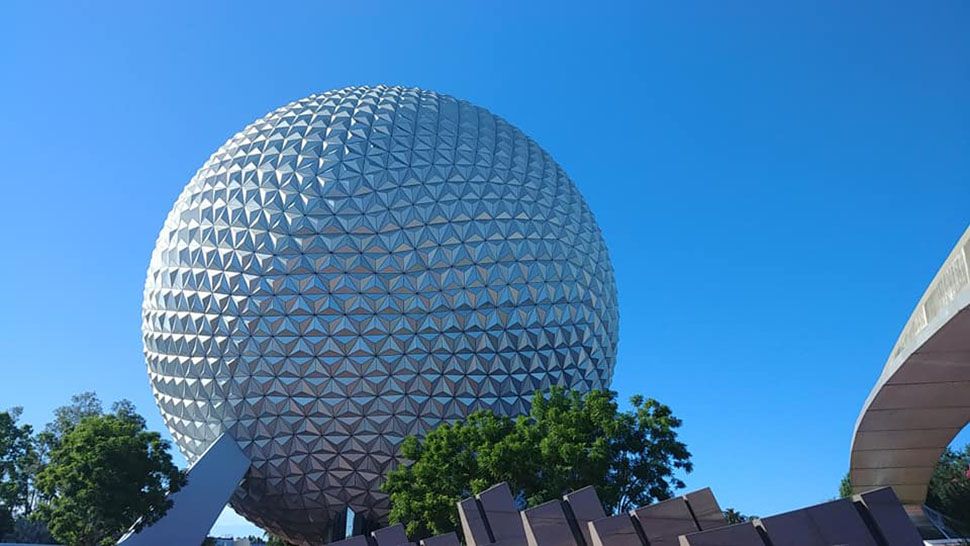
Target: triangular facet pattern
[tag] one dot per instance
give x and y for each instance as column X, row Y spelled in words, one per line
column 362, row 265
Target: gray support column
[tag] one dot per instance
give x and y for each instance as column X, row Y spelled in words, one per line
column 211, row 481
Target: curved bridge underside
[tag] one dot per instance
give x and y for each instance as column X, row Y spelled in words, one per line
column 922, row 399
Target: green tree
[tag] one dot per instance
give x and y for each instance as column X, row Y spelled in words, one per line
column 452, row 462
column 567, row 441
column 845, row 487
column 17, row 457
column 105, row 473
column 273, row 540
column 84, row 404
column 733, row 516
column 29, row 531
column 949, row 491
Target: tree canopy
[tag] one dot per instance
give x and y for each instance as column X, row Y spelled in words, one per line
column 568, row 441
column 17, row 459
column 84, row 404
column 733, row 516
column 87, row 476
column 104, row 473
column 273, row 540
column 949, row 491
column 845, row 486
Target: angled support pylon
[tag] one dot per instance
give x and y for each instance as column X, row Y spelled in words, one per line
column 212, row 479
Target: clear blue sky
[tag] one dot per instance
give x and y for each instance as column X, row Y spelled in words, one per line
column 777, row 183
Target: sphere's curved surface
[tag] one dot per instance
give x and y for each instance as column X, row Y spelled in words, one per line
column 358, row 266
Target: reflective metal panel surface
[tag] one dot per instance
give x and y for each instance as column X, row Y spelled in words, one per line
column 362, row 265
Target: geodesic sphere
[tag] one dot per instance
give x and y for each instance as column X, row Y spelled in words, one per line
column 359, row 266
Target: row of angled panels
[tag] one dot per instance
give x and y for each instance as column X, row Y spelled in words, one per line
column 875, row 518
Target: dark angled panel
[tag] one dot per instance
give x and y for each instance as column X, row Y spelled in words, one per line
column 890, row 517
column 447, row 539
column 503, row 518
column 546, row 525
column 586, row 507
column 473, row 524
column 836, row 522
column 664, row 521
column 390, row 536
column 705, row 509
column 741, row 534
column 614, row 531
column 358, row 540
